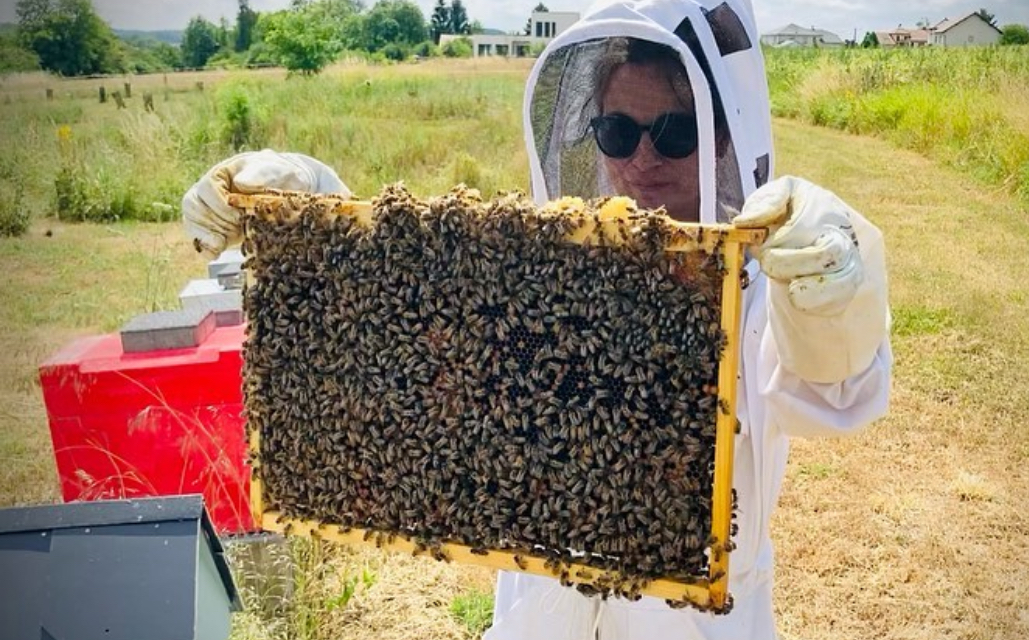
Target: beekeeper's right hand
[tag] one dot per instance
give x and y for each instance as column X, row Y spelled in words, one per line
column 213, row 224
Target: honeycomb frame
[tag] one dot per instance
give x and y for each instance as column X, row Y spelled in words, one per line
column 708, row 592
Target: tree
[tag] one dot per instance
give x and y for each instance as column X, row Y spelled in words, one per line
column 246, row 19
column 1014, row 34
column 440, row 21
column 398, row 22
column 199, row 43
column 168, row 55
column 528, row 23
column 225, row 34
column 148, row 55
column 68, row 37
column 300, row 38
column 14, row 57
column 33, row 14
column 987, row 16
column 476, row 27
column 458, row 18
column 870, row 41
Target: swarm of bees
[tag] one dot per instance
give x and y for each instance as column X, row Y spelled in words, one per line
column 458, row 371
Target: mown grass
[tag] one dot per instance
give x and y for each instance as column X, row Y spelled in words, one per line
column 914, row 530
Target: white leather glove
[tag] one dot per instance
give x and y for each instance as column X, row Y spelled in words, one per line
column 213, row 224
column 827, row 279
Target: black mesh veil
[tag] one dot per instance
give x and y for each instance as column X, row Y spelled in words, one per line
column 716, row 41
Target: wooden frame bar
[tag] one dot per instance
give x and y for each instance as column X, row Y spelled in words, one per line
column 710, row 592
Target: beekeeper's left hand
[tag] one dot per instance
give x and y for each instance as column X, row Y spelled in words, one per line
column 827, row 271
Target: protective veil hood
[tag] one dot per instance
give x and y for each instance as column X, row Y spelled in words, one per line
column 561, row 97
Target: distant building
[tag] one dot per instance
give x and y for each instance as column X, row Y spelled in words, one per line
column 544, row 26
column 967, row 31
column 796, row 36
column 902, row 37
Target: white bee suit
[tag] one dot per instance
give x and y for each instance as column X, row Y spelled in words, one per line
column 773, row 402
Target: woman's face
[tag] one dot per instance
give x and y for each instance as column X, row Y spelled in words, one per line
column 643, row 92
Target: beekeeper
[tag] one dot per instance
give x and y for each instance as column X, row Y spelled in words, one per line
column 666, row 101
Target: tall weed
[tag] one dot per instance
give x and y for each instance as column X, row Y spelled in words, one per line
column 242, row 121
column 14, row 216
column 952, row 104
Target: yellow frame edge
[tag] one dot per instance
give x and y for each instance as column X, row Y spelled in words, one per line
column 705, row 593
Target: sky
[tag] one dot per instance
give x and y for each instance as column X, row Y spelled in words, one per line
column 842, row 17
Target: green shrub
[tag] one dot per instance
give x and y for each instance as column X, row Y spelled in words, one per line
column 107, row 194
column 70, row 199
column 425, row 49
column 227, row 59
column 474, row 610
column 241, row 122
column 14, row 215
column 394, row 51
column 459, row 48
column 102, row 197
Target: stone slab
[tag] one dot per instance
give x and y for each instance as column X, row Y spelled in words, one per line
column 209, row 294
column 180, row 329
column 230, row 258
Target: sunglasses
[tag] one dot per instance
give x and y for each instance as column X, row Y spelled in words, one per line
column 674, row 135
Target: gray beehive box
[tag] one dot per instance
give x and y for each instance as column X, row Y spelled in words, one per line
column 114, row 570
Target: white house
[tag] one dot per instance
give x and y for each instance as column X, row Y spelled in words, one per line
column 543, row 27
column 794, row 35
column 968, row 31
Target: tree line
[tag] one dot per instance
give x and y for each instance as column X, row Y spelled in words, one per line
column 68, row 37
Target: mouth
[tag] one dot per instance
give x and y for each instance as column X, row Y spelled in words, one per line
column 652, row 185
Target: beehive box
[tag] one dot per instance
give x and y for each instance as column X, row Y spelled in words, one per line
column 549, row 390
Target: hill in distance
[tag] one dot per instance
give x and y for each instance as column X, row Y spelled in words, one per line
column 169, row 36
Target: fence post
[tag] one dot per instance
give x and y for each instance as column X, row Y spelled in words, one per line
column 103, row 95
column 128, row 90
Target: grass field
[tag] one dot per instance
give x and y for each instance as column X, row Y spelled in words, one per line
column 914, row 530
column 961, row 106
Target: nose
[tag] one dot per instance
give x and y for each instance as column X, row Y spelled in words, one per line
column 646, row 155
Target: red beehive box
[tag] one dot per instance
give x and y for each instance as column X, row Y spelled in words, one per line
column 152, row 424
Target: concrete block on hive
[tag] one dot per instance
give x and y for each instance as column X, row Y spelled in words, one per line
column 231, row 277
column 179, row 329
column 228, row 259
column 209, row 294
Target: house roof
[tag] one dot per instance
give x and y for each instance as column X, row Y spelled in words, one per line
column 894, row 36
column 946, row 24
column 793, row 30
column 885, row 38
column 920, row 35
column 790, row 30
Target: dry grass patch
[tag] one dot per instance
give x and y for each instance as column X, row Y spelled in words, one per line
column 922, row 534
column 364, row 594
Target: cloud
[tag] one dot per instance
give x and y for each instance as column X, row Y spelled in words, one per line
column 166, row 14
column 843, row 17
